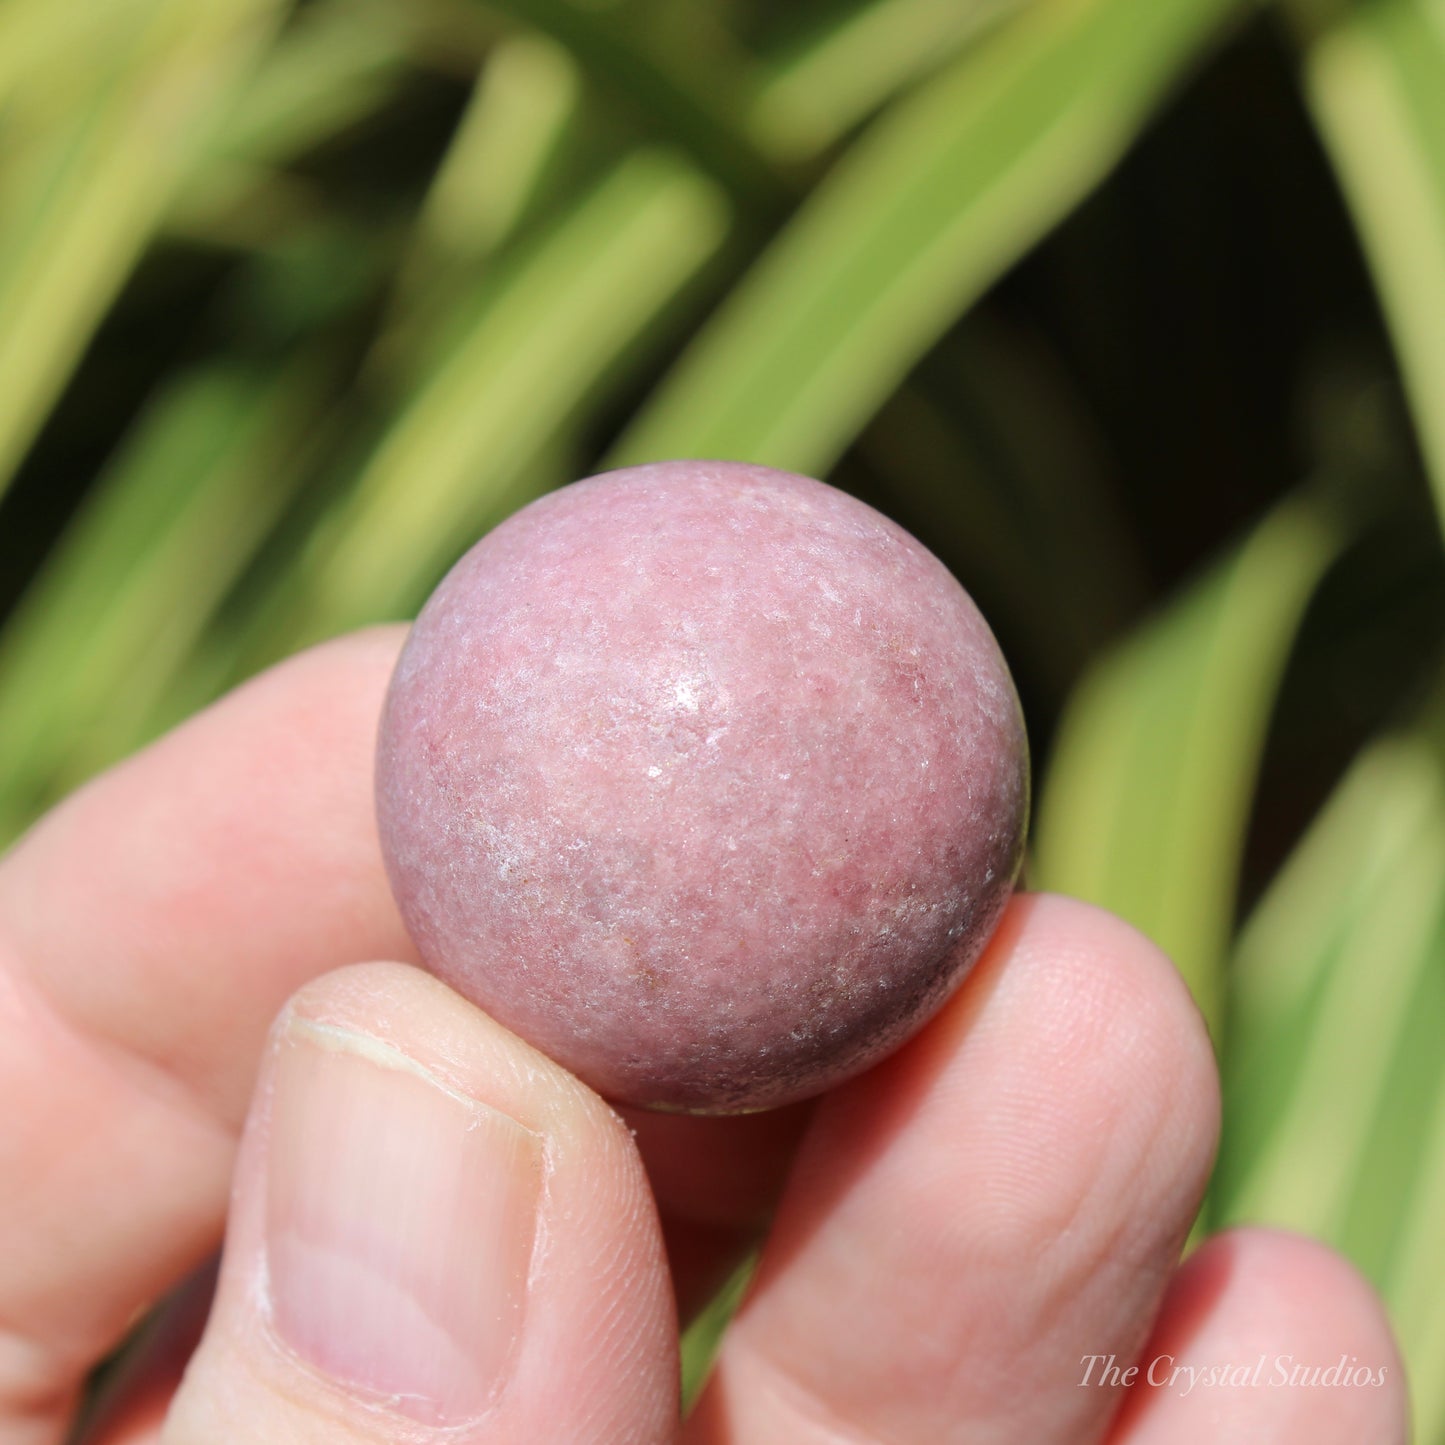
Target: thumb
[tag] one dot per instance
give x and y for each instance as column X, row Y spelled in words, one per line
column 435, row 1233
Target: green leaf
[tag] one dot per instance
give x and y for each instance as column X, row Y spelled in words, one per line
column 524, row 97
column 846, row 67
column 943, row 193
column 1147, row 796
column 1334, row 1080
column 135, row 577
column 543, row 343
column 701, row 1339
column 95, row 185
column 1360, row 838
column 1417, row 1303
column 1375, row 80
column 523, row 103
column 333, row 66
column 1326, row 976
column 51, row 54
column 687, row 87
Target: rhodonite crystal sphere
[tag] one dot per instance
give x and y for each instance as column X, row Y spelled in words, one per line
column 708, row 780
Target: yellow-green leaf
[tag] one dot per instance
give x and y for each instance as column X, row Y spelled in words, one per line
column 1147, row 795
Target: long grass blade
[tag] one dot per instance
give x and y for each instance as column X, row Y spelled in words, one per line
column 1375, row 80
column 61, row 49
column 1417, row 1303
column 1346, row 859
column 693, row 94
column 128, row 590
column 1371, row 974
column 934, row 202
column 1334, row 1080
column 526, row 94
column 838, row 73
column 520, row 112
column 333, row 68
column 97, row 183
column 544, row 342
column 329, row 69
column 1148, row 792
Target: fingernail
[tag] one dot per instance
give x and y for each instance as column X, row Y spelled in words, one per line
column 399, row 1224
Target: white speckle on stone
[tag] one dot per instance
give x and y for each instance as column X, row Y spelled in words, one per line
column 685, row 691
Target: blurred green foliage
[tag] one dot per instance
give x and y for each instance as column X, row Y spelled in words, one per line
column 1134, row 310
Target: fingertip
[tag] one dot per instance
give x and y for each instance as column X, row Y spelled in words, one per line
column 1278, row 1269
column 1109, row 1029
column 1120, row 998
column 1268, row 1334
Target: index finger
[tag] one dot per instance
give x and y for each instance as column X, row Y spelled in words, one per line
column 150, row 927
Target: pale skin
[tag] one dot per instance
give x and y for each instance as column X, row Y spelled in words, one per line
column 949, row 1238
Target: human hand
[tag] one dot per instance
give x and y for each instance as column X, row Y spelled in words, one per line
column 434, row 1233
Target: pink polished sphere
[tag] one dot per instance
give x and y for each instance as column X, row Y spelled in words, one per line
column 708, row 780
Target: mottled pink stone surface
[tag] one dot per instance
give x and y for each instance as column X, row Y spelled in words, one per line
column 706, row 779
